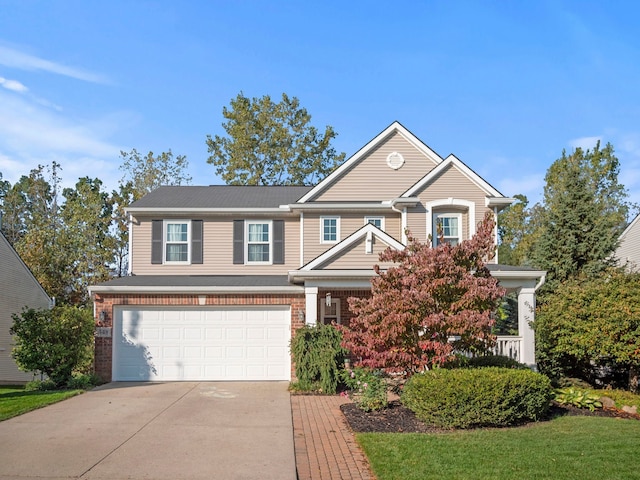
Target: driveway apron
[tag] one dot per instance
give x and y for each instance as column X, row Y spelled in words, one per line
column 182, row 430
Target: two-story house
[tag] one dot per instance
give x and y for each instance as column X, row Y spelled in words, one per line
column 222, row 276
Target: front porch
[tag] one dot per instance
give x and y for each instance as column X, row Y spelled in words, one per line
column 510, row 346
column 326, row 294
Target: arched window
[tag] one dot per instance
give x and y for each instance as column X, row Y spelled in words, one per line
column 451, row 218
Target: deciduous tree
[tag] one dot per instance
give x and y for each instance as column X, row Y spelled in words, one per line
column 151, row 171
column 432, row 295
column 591, row 322
column 270, row 143
column 87, row 215
column 41, row 243
column 518, row 231
column 141, row 174
column 121, row 198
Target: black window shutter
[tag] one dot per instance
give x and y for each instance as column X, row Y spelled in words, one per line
column 278, row 242
column 238, row 242
column 196, row 241
column 156, row 241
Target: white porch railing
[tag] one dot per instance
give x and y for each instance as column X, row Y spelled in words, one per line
column 509, row 346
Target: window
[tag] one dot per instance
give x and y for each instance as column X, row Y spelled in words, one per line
column 447, row 226
column 176, row 241
column 330, row 313
column 258, row 242
column 329, row 229
column 377, row 221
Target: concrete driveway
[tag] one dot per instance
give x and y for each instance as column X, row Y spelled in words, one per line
column 185, row 430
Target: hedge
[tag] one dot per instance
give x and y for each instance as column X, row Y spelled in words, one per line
column 478, row 397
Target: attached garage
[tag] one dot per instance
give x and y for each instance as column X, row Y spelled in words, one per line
column 195, row 343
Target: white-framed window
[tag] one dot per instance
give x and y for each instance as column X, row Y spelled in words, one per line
column 329, row 229
column 377, row 221
column 448, row 226
column 177, row 237
column 258, row 243
column 330, row 313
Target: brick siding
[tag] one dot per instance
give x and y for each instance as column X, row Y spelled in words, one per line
column 106, row 302
column 345, row 314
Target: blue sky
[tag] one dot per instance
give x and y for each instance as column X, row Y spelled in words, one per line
column 503, row 85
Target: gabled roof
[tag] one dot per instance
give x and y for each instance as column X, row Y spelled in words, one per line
column 453, row 161
column 218, row 197
column 12, row 254
column 629, row 227
column 355, row 237
column 395, row 127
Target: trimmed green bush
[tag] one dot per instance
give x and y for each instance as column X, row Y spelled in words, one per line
column 478, row 397
column 54, row 341
column 318, row 357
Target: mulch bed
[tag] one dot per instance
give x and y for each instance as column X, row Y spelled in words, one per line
column 396, row 418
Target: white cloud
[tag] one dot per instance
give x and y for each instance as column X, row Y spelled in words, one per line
column 10, row 57
column 26, row 126
column 627, row 148
column 18, row 87
column 31, row 135
column 584, row 142
column 13, row 85
column 628, row 144
column 531, row 185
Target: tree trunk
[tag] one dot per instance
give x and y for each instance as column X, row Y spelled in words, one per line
column 634, row 380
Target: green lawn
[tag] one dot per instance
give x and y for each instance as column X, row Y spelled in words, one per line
column 15, row 401
column 564, row 448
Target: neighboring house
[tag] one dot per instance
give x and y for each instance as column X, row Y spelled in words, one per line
column 18, row 289
column 222, row 276
column 628, row 251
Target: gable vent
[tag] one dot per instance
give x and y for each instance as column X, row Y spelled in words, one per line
column 395, row 160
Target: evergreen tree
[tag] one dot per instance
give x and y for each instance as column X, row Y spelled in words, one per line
column 585, row 211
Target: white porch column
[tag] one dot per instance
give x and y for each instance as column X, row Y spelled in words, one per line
column 526, row 316
column 311, row 305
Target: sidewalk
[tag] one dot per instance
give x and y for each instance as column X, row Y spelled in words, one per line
column 325, row 447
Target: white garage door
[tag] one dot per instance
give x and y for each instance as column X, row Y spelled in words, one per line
column 197, row 343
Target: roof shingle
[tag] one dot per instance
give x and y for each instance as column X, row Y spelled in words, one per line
column 221, row 196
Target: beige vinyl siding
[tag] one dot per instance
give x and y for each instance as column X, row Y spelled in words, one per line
column 357, row 184
column 349, row 223
column 451, row 183
column 18, row 289
column 355, row 257
column 217, row 250
column 629, row 249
